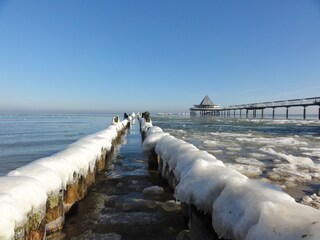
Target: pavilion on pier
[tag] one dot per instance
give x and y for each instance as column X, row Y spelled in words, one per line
column 206, row 107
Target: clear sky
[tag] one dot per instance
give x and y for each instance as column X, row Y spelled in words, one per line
column 156, row 55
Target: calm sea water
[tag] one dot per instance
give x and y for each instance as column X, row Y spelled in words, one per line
column 24, row 138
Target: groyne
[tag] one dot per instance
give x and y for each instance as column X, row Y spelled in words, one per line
column 35, row 198
column 229, row 204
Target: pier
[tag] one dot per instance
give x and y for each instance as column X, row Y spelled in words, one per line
column 254, row 107
column 214, row 110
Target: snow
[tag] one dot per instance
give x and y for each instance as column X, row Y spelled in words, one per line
column 155, row 134
column 203, row 182
column 19, row 196
column 25, row 190
column 241, row 208
column 144, row 126
column 64, row 169
column 10, row 215
column 239, row 205
column 281, row 222
column 48, row 178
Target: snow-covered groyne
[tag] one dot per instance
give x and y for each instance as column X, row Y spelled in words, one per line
column 35, row 198
column 240, row 208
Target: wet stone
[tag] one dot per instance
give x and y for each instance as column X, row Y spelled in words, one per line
column 154, row 190
column 97, row 236
column 132, row 224
column 184, row 235
column 171, row 206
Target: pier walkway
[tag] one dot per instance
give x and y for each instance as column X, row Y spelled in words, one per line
column 128, row 201
column 304, row 102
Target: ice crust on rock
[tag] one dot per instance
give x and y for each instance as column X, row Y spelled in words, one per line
column 47, row 177
column 11, row 215
column 241, row 208
column 280, row 221
column 155, row 134
column 25, row 190
column 19, row 196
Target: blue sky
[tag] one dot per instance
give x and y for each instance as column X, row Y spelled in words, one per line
column 156, row 55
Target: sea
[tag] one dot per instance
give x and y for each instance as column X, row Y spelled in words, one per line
column 283, row 152
column 27, row 137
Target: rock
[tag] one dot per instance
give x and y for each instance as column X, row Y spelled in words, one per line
column 151, row 204
column 170, row 206
column 184, row 235
column 97, row 236
column 135, row 224
column 306, row 199
column 154, row 190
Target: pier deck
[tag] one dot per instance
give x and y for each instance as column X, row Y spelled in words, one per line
column 303, row 102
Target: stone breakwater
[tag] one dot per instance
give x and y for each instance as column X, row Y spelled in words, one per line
column 128, row 201
column 35, row 198
column 229, row 203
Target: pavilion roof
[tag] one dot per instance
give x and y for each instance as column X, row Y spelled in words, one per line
column 206, row 101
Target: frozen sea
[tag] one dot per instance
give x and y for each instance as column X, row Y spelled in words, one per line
column 284, row 152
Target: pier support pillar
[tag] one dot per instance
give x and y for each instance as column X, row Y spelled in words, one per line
column 254, row 113
column 287, row 113
column 241, row 112
column 319, row 113
column 273, row 110
column 262, row 113
column 234, row 113
column 247, row 113
column 304, row 112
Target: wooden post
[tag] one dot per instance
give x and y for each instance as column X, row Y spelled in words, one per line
column 247, row 113
column 319, row 113
column 287, row 113
column 304, row 112
column 262, row 113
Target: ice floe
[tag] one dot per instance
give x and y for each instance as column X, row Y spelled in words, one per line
column 289, row 158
